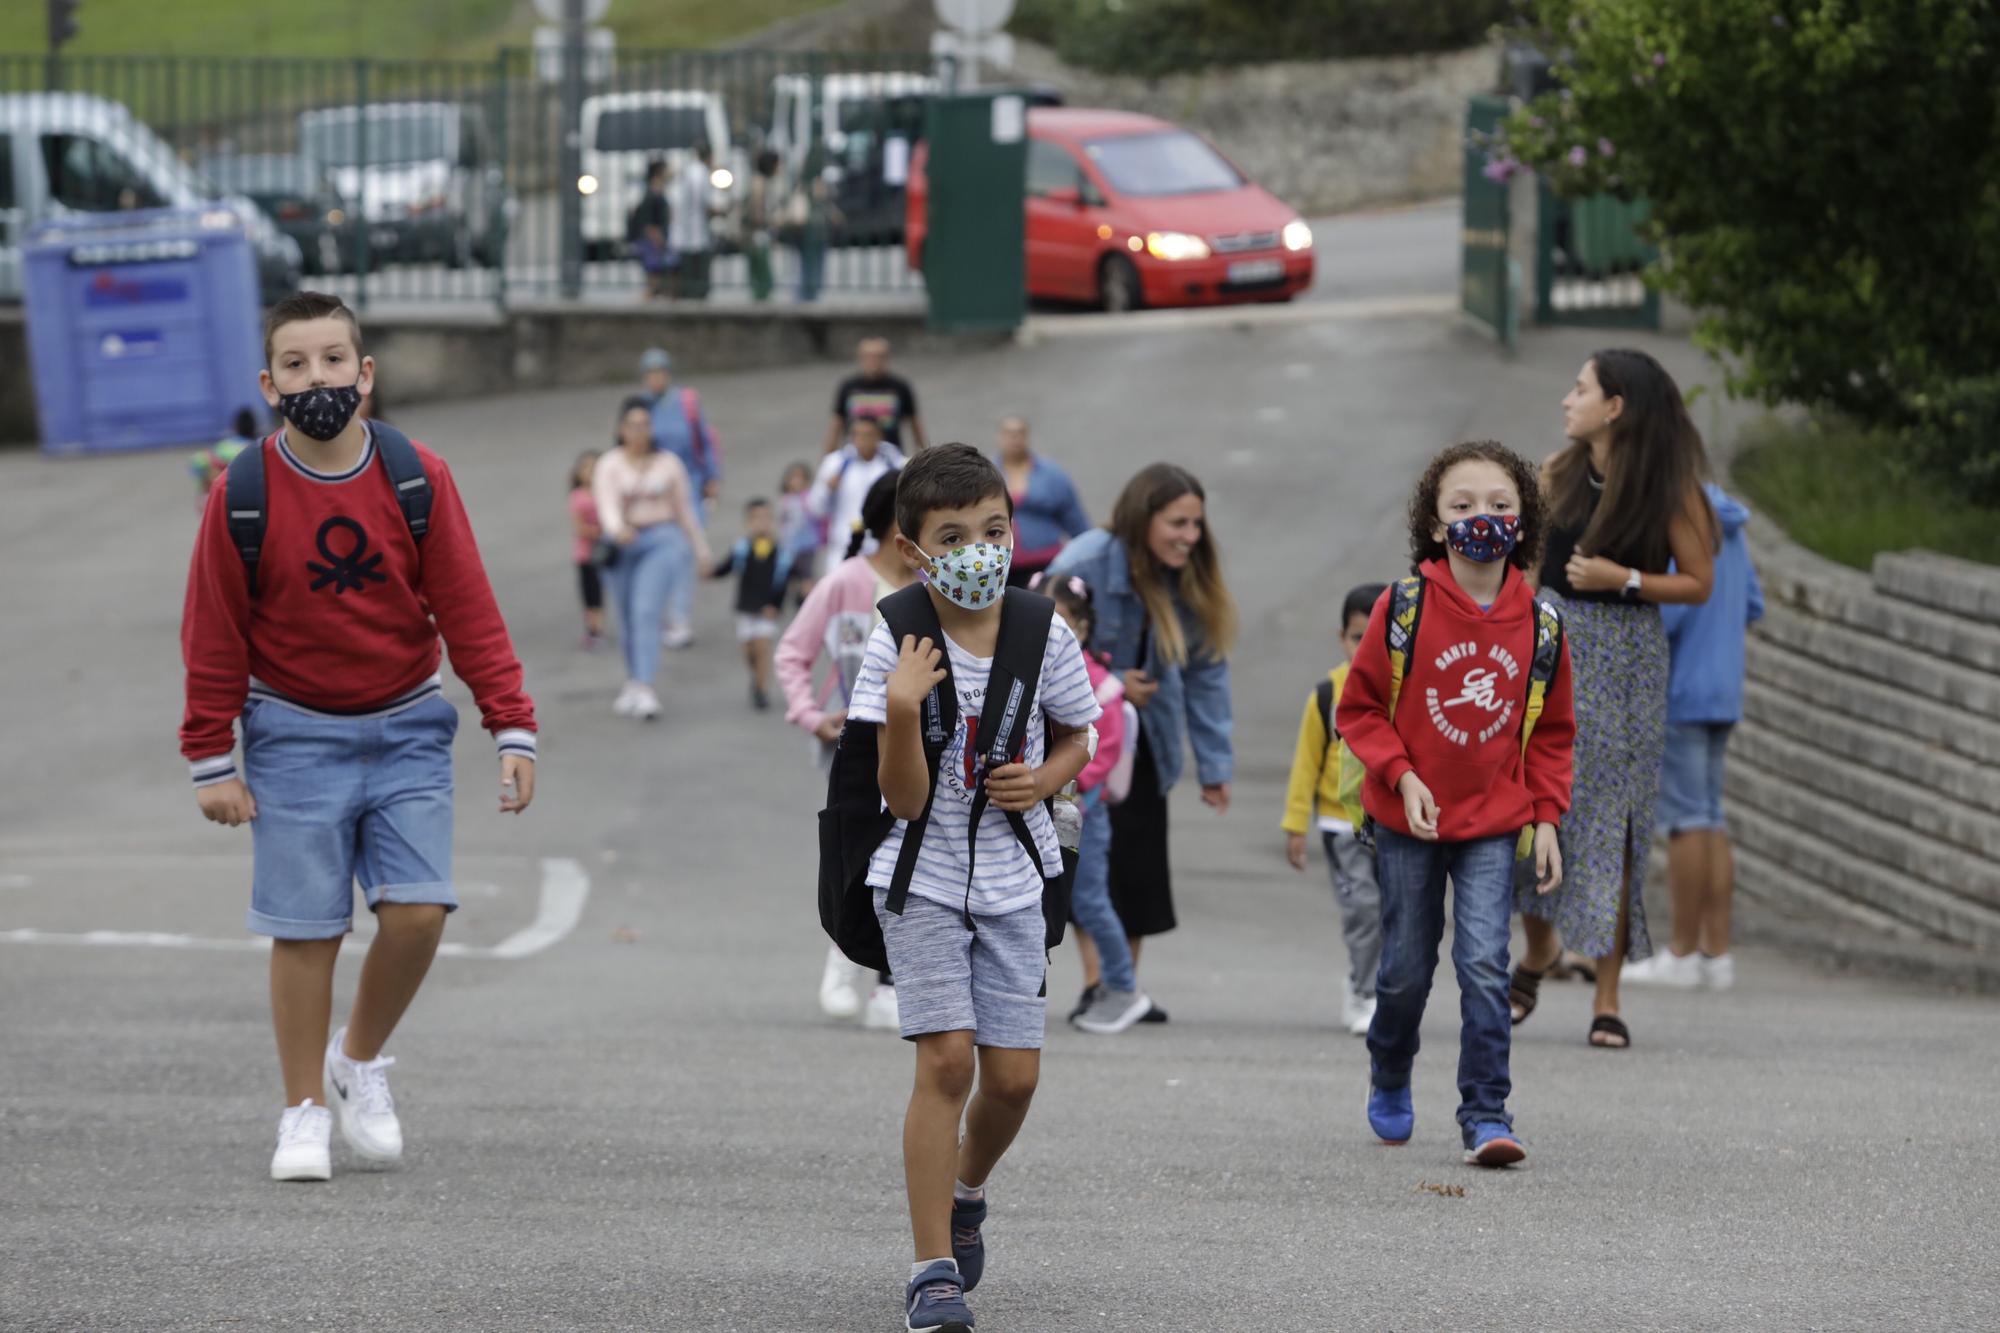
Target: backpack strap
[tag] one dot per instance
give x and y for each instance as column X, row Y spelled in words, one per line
column 1406, row 611
column 1542, row 668
column 1323, row 692
column 1011, row 687
column 908, row 613
column 406, row 476
column 246, row 508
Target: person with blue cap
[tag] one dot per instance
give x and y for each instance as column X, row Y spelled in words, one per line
column 681, row 429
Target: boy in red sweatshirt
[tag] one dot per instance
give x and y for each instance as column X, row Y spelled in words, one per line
column 1455, row 663
column 321, row 584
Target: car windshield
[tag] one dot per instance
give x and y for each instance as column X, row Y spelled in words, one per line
column 394, row 138
column 1170, row 162
column 643, row 129
column 259, row 175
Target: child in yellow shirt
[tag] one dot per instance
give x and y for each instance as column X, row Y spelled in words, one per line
column 1350, row 861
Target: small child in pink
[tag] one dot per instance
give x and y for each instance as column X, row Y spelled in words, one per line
column 583, row 518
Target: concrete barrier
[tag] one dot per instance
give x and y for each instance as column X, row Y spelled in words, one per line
column 458, row 353
column 1864, row 786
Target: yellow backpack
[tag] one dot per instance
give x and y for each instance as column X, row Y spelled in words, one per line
column 1406, row 609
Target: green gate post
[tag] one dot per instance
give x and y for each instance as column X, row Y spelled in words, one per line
column 1486, row 287
column 975, row 254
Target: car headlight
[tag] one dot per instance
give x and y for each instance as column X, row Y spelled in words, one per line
column 1175, row 245
column 586, row 184
column 335, row 217
column 1297, row 235
column 722, row 178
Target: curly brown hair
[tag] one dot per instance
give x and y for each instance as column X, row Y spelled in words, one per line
column 1425, row 545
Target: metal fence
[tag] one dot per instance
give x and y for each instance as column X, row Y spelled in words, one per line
column 418, row 182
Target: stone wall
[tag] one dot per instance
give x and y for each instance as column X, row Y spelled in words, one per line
column 1324, row 136
column 1864, row 782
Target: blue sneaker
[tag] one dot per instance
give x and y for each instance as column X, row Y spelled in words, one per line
column 936, row 1301
column 967, row 1245
column 1390, row 1114
column 1490, row 1143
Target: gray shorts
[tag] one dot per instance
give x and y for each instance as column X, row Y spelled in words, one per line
column 989, row 981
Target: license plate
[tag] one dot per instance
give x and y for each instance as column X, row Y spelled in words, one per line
column 1257, row 270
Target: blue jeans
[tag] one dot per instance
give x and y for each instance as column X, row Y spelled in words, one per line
column 812, row 269
column 1090, row 897
column 640, row 582
column 683, row 577
column 1412, row 875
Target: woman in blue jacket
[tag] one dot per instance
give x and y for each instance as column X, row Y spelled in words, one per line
column 1047, row 512
column 1168, row 622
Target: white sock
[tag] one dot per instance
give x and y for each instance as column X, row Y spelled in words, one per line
column 917, row 1269
column 964, row 1193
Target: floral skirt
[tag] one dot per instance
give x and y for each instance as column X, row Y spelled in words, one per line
column 1618, row 661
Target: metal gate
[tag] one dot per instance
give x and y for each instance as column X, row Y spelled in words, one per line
column 1485, row 291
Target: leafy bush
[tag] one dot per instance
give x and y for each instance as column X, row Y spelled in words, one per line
column 1824, row 177
column 1155, row 37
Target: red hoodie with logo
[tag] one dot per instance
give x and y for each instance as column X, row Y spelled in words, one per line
column 1458, row 718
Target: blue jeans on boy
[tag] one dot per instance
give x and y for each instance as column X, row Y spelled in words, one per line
column 640, row 582
column 1412, row 875
column 1090, row 897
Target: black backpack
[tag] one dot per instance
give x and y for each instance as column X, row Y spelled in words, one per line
column 249, row 512
column 854, row 823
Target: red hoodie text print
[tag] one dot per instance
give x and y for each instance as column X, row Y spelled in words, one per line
column 1478, row 688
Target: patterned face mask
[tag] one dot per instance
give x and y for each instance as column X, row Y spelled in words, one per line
column 1484, row 538
column 321, row 413
column 970, row 576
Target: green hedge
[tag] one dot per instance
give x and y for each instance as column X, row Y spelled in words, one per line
column 1154, row 37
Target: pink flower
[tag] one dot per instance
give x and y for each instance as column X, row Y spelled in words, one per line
column 1604, row 147
column 1579, row 156
column 1659, row 60
column 1499, row 169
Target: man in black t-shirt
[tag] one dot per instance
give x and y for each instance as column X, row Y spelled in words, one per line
column 879, row 395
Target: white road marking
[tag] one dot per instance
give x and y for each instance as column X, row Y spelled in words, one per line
column 565, row 889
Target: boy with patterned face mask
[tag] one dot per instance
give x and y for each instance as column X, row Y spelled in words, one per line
column 967, row 945
column 332, row 559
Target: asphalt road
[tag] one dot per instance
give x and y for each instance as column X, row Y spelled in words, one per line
column 646, row 1124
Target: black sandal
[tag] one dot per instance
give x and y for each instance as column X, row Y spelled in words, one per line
column 1572, row 967
column 1611, row 1025
column 1524, row 991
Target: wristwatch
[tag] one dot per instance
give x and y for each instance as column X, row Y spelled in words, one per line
column 1632, row 585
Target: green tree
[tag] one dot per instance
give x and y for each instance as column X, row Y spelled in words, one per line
column 1824, row 177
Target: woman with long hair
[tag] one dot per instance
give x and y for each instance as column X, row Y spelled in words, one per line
column 1629, row 531
column 646, row 506
column 1167, row 620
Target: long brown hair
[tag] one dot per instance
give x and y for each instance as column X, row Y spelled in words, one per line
column 1201, row 589
column 1653, row 474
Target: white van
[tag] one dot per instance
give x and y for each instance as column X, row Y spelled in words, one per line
column 77, row 153
column 869, row 125
column 431, row 189
column 847, row 103
column 622, row 132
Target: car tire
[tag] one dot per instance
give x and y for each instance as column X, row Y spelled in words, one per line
column 1118, row 287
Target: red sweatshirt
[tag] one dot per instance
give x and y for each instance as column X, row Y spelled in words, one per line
column 1458, row 719
column 349, row 613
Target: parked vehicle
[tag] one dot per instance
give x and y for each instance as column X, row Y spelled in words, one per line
column 298, row 195
column 869, row 125
column 422, row 175
column 75, row 152
column 1125, row 210
column 623, row 132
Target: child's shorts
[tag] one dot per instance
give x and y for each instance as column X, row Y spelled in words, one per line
column 1691, row 776
column 750, row 627
column 341, row 799
column 988, row 981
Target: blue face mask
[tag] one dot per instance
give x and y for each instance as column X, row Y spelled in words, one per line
column 1484, row 538
column 321, row 413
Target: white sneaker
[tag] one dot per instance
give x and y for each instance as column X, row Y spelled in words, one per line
column 628, row 699
column 839, row 997
column 359, row 1093
column 305, row 1136
column 1357, row 1011
column 883, row 1015
column 645, row 703
column 677, row 636
column 1719, row 972
column 1666, row 969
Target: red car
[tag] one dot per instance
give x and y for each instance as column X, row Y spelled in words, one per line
column 1126, row 210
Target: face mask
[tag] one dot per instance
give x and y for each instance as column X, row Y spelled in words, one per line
column 970, row 576
column 321, row 413
column 1484, row 538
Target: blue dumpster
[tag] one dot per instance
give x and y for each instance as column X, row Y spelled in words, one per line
column 143, row 328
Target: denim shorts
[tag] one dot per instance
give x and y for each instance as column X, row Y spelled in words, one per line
column 990, row 981
column 341, row 799
column 1691, row 776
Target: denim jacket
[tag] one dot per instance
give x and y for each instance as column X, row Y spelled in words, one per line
column 1196, row 693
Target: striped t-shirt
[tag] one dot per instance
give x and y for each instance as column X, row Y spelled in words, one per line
column 1008, row 881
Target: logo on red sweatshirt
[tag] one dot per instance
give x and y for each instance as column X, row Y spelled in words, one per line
column 1476, row 713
